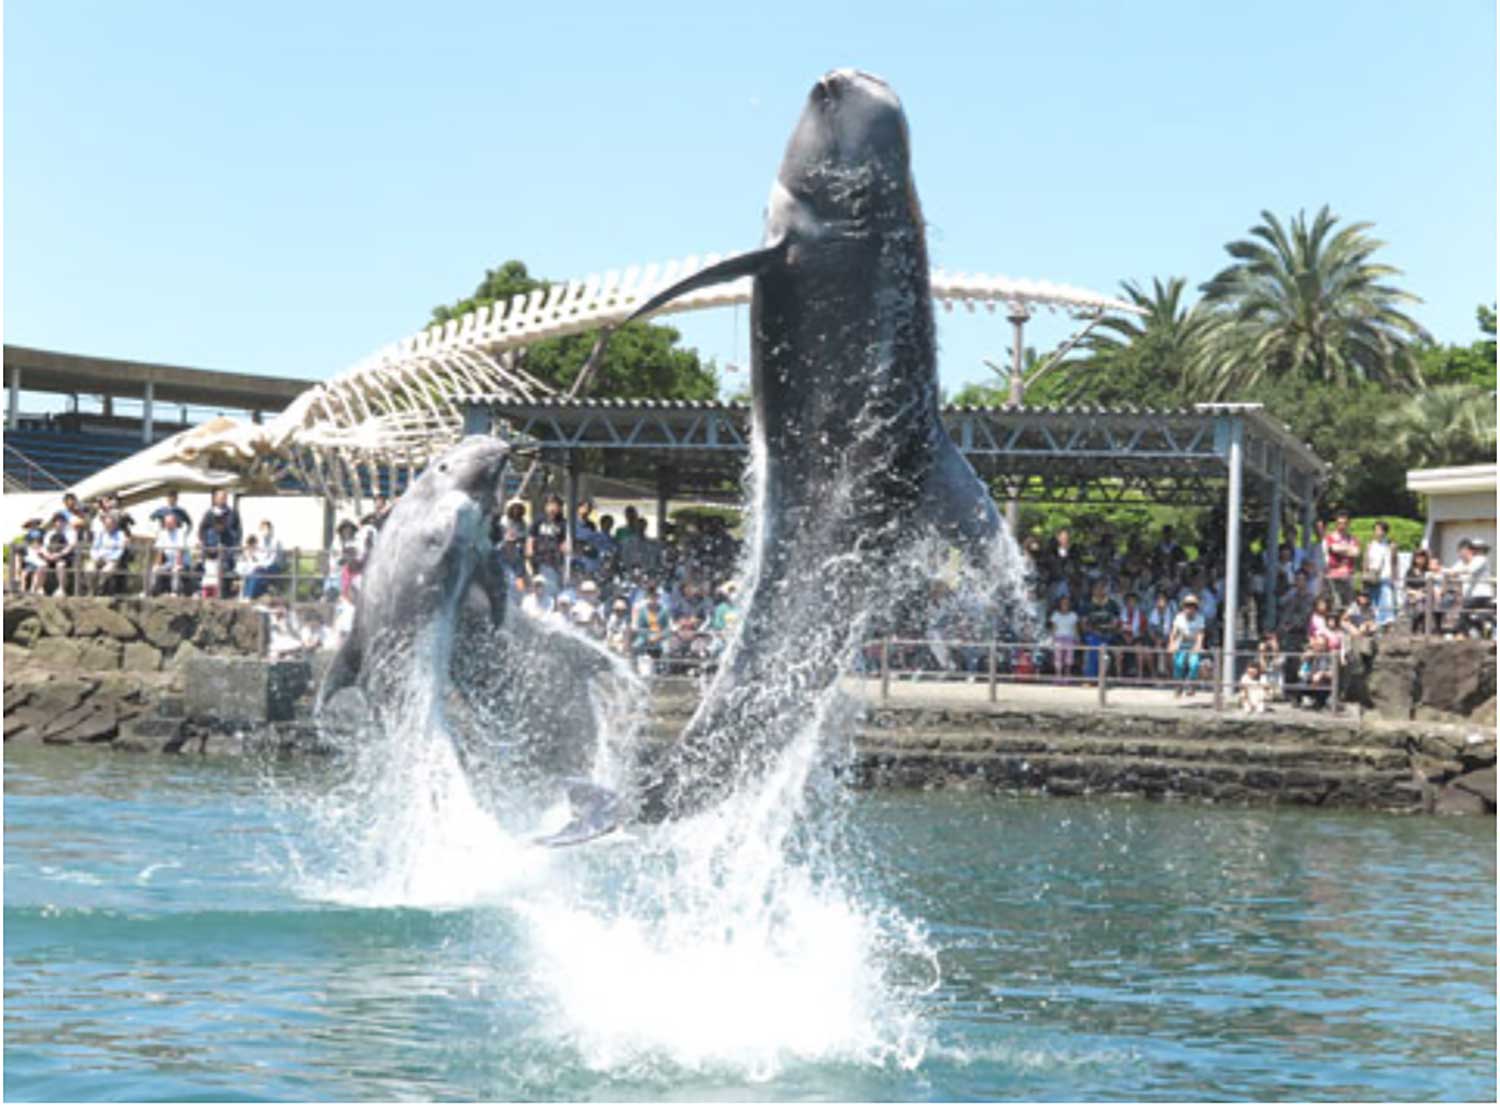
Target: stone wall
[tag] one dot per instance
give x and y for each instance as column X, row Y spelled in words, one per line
column 1423, row 679
column 81, row 670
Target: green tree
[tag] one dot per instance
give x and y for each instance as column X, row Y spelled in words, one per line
column 1310, row 302
column 1471, row 365
column 1446, row 426
column 1145, row 361
column 642, row 360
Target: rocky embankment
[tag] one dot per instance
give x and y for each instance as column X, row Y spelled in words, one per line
column 186, row 676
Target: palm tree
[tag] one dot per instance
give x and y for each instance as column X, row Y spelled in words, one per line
column 1443, row 426
column 1309, row 301
column 1142, row 360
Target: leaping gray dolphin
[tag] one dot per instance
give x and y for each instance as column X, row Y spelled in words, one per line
column 853, row 460
column 432, row 608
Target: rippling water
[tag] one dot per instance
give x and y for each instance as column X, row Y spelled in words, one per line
column 163, row 941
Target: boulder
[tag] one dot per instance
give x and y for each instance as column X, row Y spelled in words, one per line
column 26, row 633
column 16, row 658
column 57, row 652
column 94, row 720
column 1392, row 685
column 98, row 617
column 166, row 625
column 243, row 690
column 140, row 656
column 99, row 654
column 55, row 619
column 1454, row 800
column 1458, row 676
column 1479, row 783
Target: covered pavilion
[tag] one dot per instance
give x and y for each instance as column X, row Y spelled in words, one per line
column 1196, row 456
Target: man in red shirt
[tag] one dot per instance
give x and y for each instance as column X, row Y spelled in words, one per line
column 1340, row 556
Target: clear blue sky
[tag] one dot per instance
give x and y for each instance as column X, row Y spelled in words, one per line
column 284, row 187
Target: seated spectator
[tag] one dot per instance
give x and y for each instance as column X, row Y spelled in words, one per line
column 1254, row 690
column 265, row 561
column 617, row 629
column 107, row 556
column 1186, row 644
column 31, row 529
column 1476, row 587
column 169, row 564
column 538, row 600
column 312, row 634
column 652, row 628
column 1272, row 662
column 688, row 645
column 588, row 614
column 35, row 566
column 1133, row 636
column 1316, row 671
column 59, row 550
column 1323, row 624
column 284, row 641
column 1361, row 619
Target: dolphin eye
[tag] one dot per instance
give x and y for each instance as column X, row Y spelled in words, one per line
column 443, row 468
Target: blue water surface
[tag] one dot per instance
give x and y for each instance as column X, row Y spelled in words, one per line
column 160, row 944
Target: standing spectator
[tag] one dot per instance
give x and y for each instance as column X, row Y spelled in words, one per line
column 107, row 557
column 20, row 549
column 1186, row 644
column 1421, row 578
column 511, row 541
column 1101, row 623
column 159, row 514
column 264, row 563
column 1168, row 550
column 1324, row 624
column 1063, row 559
column 548, row 544
column 1159, row 631
column 1340, row 557
column 1316, row 672
column 1064, row 624
column 1380, row 563
column 224, row 519
column 170, row 557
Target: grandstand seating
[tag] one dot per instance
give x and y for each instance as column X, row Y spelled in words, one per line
column 49, row 459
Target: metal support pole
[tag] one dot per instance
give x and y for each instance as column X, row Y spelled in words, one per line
column 1273, row 546
column 1333, row 695
column 1231, row 600
column 885, row 668
column 147, row 398
column 663, row 483
column 994, row 669
column 1103, row 672
column 1018, row 316
column 13, row 405
column 296, row 565
column 570, row 473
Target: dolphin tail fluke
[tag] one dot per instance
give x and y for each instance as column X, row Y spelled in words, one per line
column 596, row 811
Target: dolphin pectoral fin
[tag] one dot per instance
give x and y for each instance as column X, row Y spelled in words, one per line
column 343, row 671
column 596, row 811
column 736, row 266
column 957, row 503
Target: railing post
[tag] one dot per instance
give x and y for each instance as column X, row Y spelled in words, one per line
column 994, row 669
column 885, row 668
column 296, row 563
column 1217, row 682
column 1333, row 697
column 1103, row 674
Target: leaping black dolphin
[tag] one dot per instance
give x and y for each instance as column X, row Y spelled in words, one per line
column 853, row 460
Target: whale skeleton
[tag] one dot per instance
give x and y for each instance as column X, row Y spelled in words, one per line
column 397, row 407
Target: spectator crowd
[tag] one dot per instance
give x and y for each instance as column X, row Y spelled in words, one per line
column 1140, row 606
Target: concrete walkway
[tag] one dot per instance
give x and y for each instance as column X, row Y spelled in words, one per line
column 1075, row 696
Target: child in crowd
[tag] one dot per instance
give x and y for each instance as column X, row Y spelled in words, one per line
column 1253, row 690
column 1064, row 624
